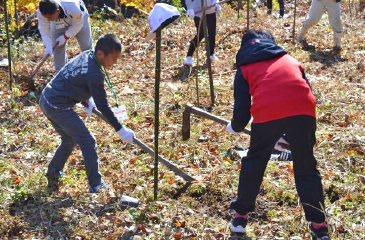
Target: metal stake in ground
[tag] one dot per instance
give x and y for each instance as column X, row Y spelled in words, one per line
column 8, row 39
column 248, row 15
column 157, row 108
column 239, row 6
column 295, row 14
column 207, row 50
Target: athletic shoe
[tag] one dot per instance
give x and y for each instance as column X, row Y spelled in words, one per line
column 188, row 61
column 320, row 233
column 213, row 57
column 97, row 188
column 53, row 182
column 238, row 225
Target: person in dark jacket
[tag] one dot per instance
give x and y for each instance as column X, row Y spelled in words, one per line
column 81, row 80
column 282, row 103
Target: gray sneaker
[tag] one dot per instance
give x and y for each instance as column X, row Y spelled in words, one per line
column 97, row 188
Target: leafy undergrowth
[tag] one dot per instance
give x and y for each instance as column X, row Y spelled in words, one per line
column 29, row 141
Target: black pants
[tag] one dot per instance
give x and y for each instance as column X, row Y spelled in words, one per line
column 211, row 25
column 281, row 4
column 300, row 131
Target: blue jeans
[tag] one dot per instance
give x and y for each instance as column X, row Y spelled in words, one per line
column 73, row 131
column 300, row 132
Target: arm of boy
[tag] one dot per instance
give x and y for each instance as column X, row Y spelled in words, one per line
column 242, row 103
column 98, row 93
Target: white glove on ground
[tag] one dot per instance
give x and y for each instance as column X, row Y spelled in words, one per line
column 49, row 51
column 61, row 40
column 218, row 9
column 230, row 129
column 126, row 135
column 90, row 107
column 279, row 144
column 190, row 13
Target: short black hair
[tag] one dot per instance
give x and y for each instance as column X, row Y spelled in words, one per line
column 48, row 7
column 108, row 43
column 263, row 34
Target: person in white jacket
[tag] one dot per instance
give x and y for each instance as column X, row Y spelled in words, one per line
column 60, row 20
column 334, row 16
column 194, row 10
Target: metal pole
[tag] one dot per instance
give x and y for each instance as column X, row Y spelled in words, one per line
column 157, row 108
column 295, row 14
column 207, row 51
column 16, row 16
column 248, row 15
column 8, row 39
column 239, row 6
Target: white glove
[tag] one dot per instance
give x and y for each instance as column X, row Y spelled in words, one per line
column 126, row 134
column 230, row 129
column 190, row 13
column 218, row 9
column 60, row 41
column 90, row 107
column 49, row 51
column 280, row 143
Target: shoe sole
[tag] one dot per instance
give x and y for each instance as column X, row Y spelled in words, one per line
column 238, row 229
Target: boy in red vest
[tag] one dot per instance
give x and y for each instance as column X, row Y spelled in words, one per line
column 282, row 103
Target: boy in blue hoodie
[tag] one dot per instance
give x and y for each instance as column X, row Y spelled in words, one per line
column 282, row 103
column 78, row 81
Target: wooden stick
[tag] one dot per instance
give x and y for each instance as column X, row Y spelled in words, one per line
column 197, row 111
column 144, row 147
column 30, row 79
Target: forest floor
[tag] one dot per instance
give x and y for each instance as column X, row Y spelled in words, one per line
column 28, row 140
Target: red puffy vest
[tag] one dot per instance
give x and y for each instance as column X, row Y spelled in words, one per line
column 278, row 89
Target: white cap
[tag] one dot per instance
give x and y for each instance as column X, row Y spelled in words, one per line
column 161, row 15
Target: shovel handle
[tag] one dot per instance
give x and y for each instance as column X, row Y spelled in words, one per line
column 144, row 147
column 39, row 66
column 205, row 114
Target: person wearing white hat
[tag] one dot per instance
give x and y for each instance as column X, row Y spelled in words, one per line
column 161, row 15
column 59, row 20
column 194, row 11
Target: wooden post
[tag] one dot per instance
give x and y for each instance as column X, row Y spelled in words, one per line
column 157, row 108
column 8, row 39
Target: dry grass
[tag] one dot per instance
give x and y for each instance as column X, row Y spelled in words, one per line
column 201, row 212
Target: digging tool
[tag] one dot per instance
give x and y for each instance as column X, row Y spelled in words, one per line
column 30, row 79
column 189, row 108
column 197, row 111
column 207, row 52
column 144, row 147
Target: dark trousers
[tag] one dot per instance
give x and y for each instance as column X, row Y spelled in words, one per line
column 300, row 131
column 281, row 4
column 211, row 25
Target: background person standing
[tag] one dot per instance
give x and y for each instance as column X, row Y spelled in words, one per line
column 60, row 20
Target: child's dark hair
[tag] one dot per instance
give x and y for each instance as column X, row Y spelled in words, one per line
column 108, row 43
column 48, row 7
column 263, row 34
